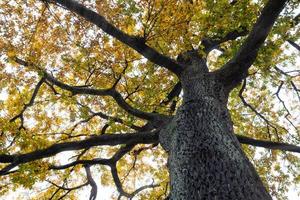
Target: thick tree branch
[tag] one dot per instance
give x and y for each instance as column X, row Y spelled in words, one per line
column 268, row 144
column 296, row 46
column 296, row 20
column 91, row 182
column 114, row 139
column 109, row 139
column 233, row 72
column 118, row 183
column 213, row 43
column 136, row 43
column 173, row 93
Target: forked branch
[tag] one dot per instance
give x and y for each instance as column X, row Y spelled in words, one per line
column 236, row 69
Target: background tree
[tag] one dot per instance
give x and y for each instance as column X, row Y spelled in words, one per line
column 109, row 82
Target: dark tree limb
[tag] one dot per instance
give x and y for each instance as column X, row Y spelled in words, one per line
column 30, row 103
column 105, row 92
column 269, row 124
column 136, row 43
column 106, row 117
column 52, row 88
column 297, row 90
column 63, row 187
column 288, row 73
column 117, row 181
column 75, row 90
column 296, row 46
column 109, row 139
column 280, row 99
column 21, row 114
column 104, row 128
column 173, row 93
column 91, row 182
column 284, row 105
column 96, row 161
column 170, row 98
column 111, row 162
column 135, row 154
column 268, row 144
column 112, row 140
column 67, row 188
column 144, row 188
column 213, row 43
column 235, row 70
column 120, row 189
column 294, row 87
column 296, row 20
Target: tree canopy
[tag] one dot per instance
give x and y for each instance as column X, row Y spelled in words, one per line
column 86, row 86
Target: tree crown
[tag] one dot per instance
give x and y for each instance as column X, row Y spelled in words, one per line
column 102, row 78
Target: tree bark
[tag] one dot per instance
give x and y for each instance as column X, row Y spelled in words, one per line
column 205, row 158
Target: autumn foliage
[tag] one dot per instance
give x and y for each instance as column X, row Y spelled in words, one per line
column 81, row 103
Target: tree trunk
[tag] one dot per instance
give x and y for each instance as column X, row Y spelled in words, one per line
column 205, row 158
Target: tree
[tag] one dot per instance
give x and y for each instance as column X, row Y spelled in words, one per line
column 127, row 85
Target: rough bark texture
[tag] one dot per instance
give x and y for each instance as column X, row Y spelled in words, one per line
column 205, row 158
